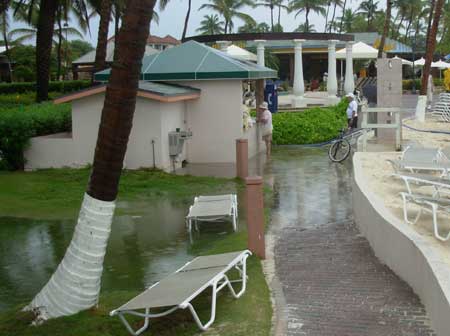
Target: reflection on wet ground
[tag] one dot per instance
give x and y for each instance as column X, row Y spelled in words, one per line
column 148, row 241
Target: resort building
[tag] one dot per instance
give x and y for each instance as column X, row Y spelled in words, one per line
column 189, row 108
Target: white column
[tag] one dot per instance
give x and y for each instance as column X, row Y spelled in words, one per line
column 349, row 84
column 260, row 51
column 332, row 78
column 223, row 45
column 299, row 84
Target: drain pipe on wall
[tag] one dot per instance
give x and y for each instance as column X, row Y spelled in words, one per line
column 153, row 153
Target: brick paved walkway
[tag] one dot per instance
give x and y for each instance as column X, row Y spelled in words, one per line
column 333, row 285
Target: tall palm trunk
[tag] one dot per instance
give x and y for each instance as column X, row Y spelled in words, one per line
column 5, row 42
column 430, row 19
column 60, row 38
column 334, row 14
column 186, row 20
column 306, row 18
column 75, row 285
column 400, row 25
column 343, row 14
column 44, row 39
column 279, row 15
column 102, row 40
column 387, row 22
column 431, row 46
column 326, row 17
column 271, row 15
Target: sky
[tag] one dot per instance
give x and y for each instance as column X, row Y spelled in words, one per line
column 172, row 19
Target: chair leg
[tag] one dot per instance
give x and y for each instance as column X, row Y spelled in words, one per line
column 434, row 209
column 213, row 311
column 243, row 273
column 139, row 331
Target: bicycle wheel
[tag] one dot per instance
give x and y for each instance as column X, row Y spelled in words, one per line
column 339, row 150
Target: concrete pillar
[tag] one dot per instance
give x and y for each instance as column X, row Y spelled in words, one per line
column 349, row 84
column 332, row 77
column 260, row 51
column 421, row 108
column 242, row 158
column 299, row 84
column 255, row 215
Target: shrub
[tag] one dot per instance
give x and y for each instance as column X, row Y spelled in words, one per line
column 18, row 125
column 13, row 100
column 310, row 126
column 60, row 86
column 408, row 84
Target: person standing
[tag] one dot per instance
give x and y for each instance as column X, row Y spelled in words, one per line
column 266, row 126
column 352, row 111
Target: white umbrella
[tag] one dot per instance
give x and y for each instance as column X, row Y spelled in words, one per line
column 420, row 62
column 360, row 51
column 440, row 64
column 404, row 62
column 240, row 53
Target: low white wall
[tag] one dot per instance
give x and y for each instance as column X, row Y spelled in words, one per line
column 404, row 250
column 152, row 121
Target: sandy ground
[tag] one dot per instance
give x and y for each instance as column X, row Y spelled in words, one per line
column 427, row 139
column 379, row 174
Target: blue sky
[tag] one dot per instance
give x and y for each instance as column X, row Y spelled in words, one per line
column 172, row 19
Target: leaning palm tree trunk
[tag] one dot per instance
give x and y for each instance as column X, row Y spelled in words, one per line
column 75, row 285
column 343, row 15
column 44, row 39
column 102, row 39
column 186, row 20
column 430, row 19
column 387, row 22
column 431, row 46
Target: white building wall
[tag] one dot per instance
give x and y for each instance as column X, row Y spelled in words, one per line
column 215, row 120
column 76, row 150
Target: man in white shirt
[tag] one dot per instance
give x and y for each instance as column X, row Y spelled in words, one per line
column 352, row 111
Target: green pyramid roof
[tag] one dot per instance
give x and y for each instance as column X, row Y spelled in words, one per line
column 195, row 61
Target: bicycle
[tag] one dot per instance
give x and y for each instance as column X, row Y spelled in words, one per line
column 340, row 147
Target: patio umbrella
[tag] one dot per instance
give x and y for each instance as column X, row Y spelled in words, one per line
column 240, row 53
column 360, row 51
column 420, row 62
column 404, row 62
column 441, row 65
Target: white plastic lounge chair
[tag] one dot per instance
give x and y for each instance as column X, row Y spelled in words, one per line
column 434, row 204
column 180, row 288
column 211, row 209
column 416, row 159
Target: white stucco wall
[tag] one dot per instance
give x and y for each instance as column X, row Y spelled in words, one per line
column 215, row 120
column 152, row 121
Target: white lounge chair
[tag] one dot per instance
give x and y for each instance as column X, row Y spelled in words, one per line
column 179, row 289
column 213, row 208
column 434, row 204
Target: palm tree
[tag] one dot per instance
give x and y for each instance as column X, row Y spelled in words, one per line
column 344, row 6
column 163, row 5
column 44, row 36
column 102, row 39
column 210, row 25
column 337, row 3
column 230, row 9
column 307, row 6
column 402, row 9
column 280, row 4
column 269, row 4
column 431, row 46
column 253, row 27
column 430, row 17
column 303, row 28
column 75, row 285
column 387, row 23
column 326, row 16
column 369, row 9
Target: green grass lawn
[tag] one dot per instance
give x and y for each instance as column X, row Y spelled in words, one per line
column 57, row 193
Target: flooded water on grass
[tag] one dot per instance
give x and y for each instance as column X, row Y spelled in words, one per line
column 149, row 238
column 148, row 241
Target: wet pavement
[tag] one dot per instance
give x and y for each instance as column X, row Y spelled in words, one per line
column 327, row 280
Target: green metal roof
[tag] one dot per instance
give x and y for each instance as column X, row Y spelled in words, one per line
column 195, row 61
column 166, row 90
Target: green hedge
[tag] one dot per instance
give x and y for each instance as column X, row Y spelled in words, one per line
column 407, row 83
column 310, row 126
column 20, row 124
column 60, row 86
column 13, row 100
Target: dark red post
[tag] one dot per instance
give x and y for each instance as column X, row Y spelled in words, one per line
column 255, row 215
column 242, row 158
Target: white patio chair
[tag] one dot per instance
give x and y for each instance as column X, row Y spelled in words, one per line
column 212, row 209
column 437, row 203
column 181, row 287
